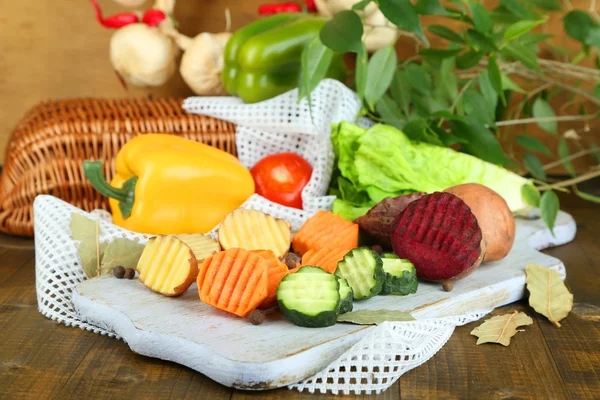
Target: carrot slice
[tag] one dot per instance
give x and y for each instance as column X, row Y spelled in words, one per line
column 325, row 258
column 276, row 271
column 326, row 230
column 234, row 280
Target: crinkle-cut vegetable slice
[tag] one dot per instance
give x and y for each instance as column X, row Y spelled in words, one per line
column 233, row 280
column 324, row 258
column 255, row 230
column 202, row 245
column 440, row 235
column 310, row 297
column 346, row 296
column 167, row 265
column 400, row 277
column 276, row 271
column 325, row 230
column 363, row 269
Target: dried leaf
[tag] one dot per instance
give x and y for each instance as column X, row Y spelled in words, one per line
column 501, row 328
column 121, row 251
column 378, row 222
column 88, row 253
column 374, row 317
column 82, row 227
column 548, row 294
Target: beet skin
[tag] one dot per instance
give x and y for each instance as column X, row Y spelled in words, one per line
column 440, row 235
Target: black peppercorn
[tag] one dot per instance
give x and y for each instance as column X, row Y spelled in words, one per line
column 119, row 272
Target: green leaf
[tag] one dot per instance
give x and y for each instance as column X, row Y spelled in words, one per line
column 549, row 206
column 415, row 129
column 596, row 152
column 438, row 54
column 315, row 62
column 548, row 5
column 362, row 66
column 586, row 196
column 476, row 107
column 508, row 84
column 516, row 8
column 543, row 109
column 534, row 165
column 495, row 77
column 520, row 28
column 430, row 7
column 487, row 90
column 446, row 80
column 523, row 54
column 382, row 66
column 501, row 16
column 469, row 59
column 533, row 144
column 531, row 195
column 400, row 90
column 564, row 152
column 82, row 227
column 123, row 252
column 445, row 33
column 533, row 37
column 578, row 25
column 446, row 138
column 480, row 141
column 402, row 14
column 361, row 5
column 389, row 112
column 480, row 41
column 418, row 78
column 481, row 17
column 374, row 317
column 343, row 33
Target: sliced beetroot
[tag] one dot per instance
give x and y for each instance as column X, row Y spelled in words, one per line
column 378, row 221
column 440, row 235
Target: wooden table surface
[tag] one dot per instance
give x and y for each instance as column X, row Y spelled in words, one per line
column 41, row 359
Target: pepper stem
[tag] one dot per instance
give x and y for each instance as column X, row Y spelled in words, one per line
column 125, row 195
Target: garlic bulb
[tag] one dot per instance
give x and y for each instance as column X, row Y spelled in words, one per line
column 382, row 32
column 130, row 3
column 202, row 63
column 142, row 55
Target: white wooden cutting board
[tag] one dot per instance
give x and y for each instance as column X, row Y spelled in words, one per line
column 277, row 353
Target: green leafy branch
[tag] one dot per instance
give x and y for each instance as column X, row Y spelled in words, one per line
column 483, row 82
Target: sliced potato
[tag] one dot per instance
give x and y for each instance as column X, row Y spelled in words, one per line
column 203, row 246
column 255, row 230
column 167, row 265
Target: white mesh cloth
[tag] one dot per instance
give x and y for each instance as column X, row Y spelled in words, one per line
column 277, row 125
column 371, row 365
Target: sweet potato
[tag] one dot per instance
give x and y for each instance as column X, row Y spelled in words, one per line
column 234, row 280
column 325, row 230
column 276, row 271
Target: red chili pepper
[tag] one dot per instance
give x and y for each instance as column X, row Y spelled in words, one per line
column 310, row 5
column 276, row 8
column 114, row 21
column 153, row 17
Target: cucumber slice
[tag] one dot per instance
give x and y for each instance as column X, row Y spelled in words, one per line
column 389, row 255
column 310, row 297
column 400, row 277
column 363, row 269
column 346, row 296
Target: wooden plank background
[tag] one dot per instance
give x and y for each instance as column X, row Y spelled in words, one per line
column 55, row 50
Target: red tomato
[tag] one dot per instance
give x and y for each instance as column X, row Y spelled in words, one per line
column 281, row 178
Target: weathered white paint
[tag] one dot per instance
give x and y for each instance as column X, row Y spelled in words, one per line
column 238, row 354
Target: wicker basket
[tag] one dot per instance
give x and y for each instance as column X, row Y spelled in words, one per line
column 46, row 150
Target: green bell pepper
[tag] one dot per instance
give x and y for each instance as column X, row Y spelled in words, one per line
column 262, row 59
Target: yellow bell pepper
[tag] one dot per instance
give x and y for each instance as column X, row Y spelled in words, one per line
column 169, row 185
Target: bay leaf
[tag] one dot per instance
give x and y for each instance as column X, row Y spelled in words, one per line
column 374, row 317
column 548, row 294
column 82, row 227
column 121, row 251
column 88, row 253
column 501, row 328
